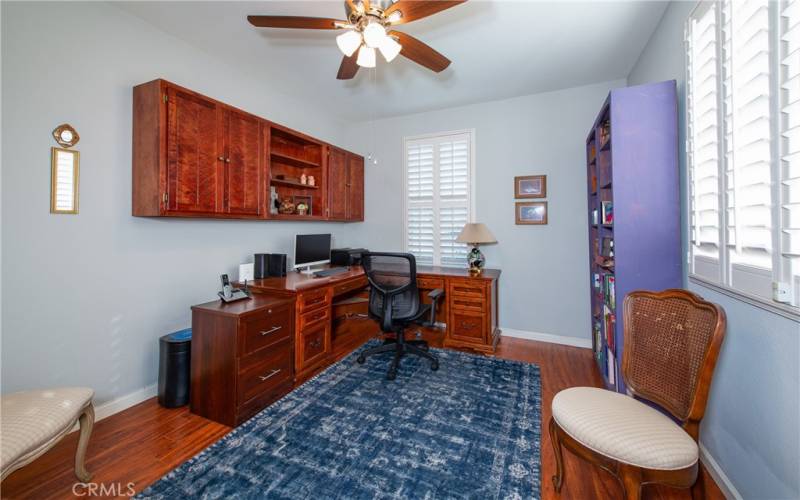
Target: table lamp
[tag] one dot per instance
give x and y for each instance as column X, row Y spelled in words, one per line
column 474, row 234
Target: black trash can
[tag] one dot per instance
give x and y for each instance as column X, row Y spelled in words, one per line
column 173, row 368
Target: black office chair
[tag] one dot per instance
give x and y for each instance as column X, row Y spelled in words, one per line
column 394, row 303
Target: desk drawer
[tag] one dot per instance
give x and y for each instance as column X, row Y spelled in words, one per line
column 350, row 285
column 313, row 299
column 430, row 283
column 467, row 325
column 312, row 344
column 264, row 370
column 467, row 288
column 266, row 328
column 314, row 316
column 464, row 303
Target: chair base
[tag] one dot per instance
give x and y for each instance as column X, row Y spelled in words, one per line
column 400, row 347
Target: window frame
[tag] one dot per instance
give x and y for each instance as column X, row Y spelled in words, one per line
column 471, row 211
column 780, row 268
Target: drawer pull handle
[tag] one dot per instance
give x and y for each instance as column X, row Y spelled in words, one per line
column 316, row 343
column 269, row 375
column 316, row 300
column 271, row 330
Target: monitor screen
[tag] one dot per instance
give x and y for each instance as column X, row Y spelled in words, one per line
column 312, row 249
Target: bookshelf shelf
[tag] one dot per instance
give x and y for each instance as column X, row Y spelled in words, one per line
column 287, row 183
column 634, row 211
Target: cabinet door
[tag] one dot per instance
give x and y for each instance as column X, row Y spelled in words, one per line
column 244, row 174
column 355, row 188
column 194, row 170
column 337, row 182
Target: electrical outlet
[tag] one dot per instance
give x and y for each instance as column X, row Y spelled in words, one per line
column 782, row 292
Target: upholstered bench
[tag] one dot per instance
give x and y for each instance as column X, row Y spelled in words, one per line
column 32, row 422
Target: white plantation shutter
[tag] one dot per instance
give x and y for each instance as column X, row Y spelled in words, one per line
column 789, row 171
column 703, row 142
column 743, row 144
column 748, row 143
column 438, row 197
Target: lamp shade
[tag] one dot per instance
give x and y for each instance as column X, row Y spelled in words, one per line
column 476, row 232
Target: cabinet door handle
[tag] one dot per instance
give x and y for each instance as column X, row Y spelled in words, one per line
column 271, row 330
column 221, row 158
column 227, row 160
column 269, row 375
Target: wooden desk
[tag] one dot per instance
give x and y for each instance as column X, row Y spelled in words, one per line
column 249, row 353
column 469, row 309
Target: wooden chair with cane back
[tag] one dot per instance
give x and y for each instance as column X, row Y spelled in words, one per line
column 671, row 343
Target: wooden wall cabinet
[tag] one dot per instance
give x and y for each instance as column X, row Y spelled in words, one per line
column 197, row 157
column 346, row 185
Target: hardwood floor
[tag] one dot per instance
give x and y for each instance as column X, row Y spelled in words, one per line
column 139, row 445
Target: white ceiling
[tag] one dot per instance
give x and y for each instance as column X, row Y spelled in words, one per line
column 499, row 50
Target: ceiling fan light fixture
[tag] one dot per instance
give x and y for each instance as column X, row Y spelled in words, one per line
column 389, row 48
column 349, row 42
column 366, row 57
column 374, row 33
column 394, row 16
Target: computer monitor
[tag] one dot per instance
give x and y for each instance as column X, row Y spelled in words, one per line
column 311, row 250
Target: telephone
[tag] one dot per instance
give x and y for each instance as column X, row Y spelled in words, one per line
column 230, row 294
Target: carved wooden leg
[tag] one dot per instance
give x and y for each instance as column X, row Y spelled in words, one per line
column 631, row 481
column 558, row 479
column 87, row 422
column 698, row 488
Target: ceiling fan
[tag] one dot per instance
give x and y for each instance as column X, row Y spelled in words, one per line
column 369, row 27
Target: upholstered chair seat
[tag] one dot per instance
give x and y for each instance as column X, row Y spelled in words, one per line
column 624, row 429
column 32, row 422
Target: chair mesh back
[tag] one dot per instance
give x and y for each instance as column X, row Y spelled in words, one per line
column 387, row 273
column 666, row 340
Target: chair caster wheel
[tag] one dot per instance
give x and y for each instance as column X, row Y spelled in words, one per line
column 434, row 366
column 391, row 375
column 360, row 360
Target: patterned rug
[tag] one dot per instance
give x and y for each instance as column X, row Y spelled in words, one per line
column 469, row 430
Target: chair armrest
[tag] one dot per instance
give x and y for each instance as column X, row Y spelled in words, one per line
column 434, row 295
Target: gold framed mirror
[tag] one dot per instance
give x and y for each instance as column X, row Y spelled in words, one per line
column 64, row 175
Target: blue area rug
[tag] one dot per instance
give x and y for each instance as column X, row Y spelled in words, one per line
column 470, row 430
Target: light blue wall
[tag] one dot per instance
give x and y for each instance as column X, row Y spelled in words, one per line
column 752, row 426
column 87, row 296
column 544, row 287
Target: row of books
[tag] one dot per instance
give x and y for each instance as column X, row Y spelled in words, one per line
column 605, row 215
column 605, row 285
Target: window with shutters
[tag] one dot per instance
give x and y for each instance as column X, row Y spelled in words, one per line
column 438, row 196
column 743, row 147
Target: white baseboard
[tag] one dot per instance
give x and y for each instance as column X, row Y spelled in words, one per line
column 124, row 402
column 109, row 408
column 547, row 337
column 716, row 472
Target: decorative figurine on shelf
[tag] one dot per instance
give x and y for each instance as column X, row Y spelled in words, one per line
column 312, row 181
column 303, row 179
column 302, row 208
column 286, row 207
column 475, row 234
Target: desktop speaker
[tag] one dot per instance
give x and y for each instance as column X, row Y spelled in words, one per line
column 267, row 265
column 277, row 264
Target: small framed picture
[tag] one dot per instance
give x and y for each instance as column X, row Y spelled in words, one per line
column 531, row 212
column 530, row 186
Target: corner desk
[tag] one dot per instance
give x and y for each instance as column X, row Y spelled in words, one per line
column 249, row 353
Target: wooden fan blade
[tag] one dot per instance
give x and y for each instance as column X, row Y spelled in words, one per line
column 420, row 52
column 417, row 9
column 311, row 23
column 348, row 68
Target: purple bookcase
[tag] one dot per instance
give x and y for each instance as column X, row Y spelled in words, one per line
column 632, row 167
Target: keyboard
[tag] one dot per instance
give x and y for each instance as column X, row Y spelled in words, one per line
column 324, row 273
